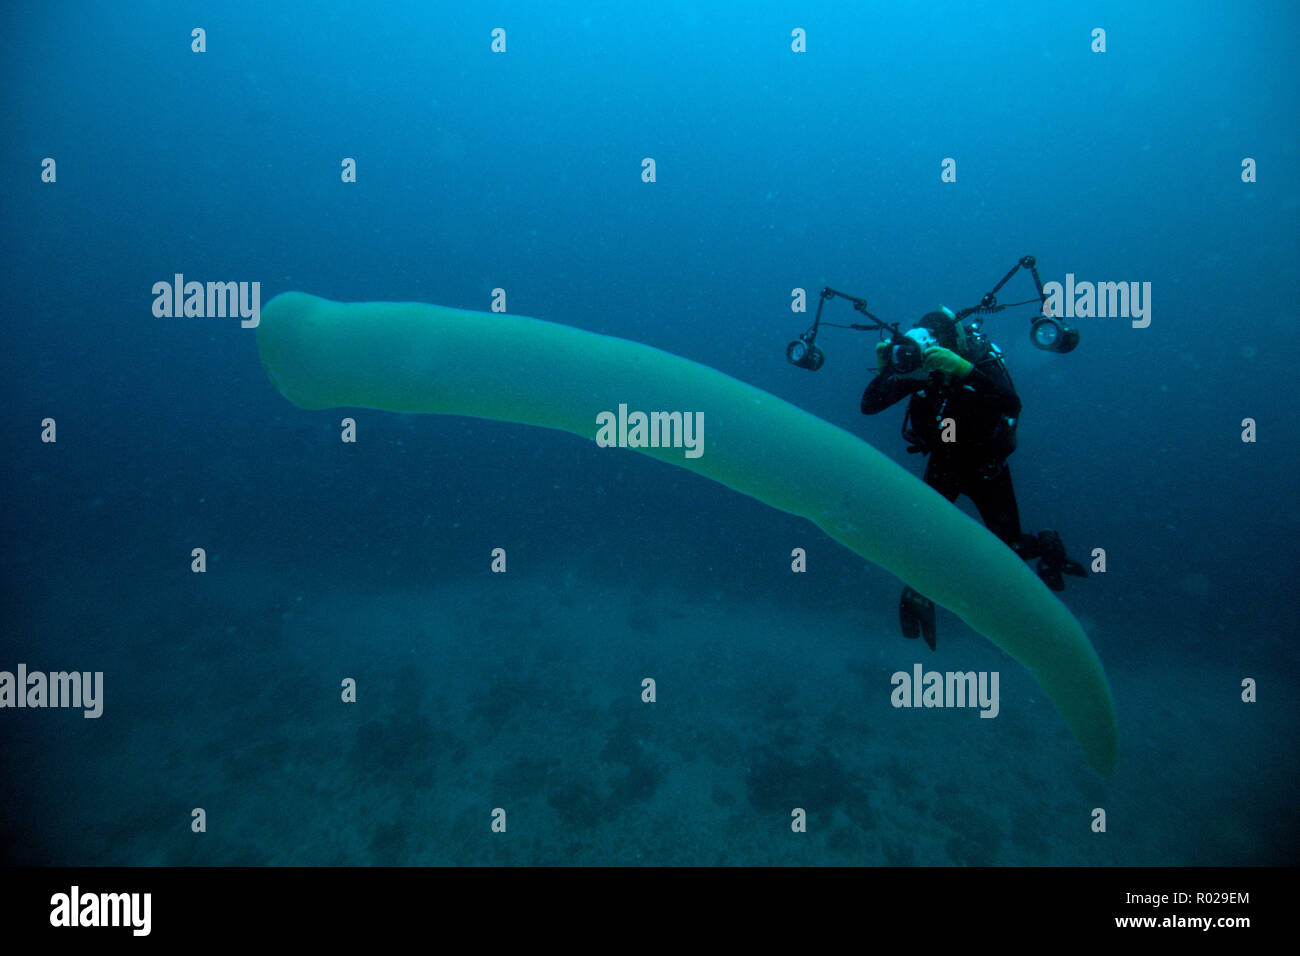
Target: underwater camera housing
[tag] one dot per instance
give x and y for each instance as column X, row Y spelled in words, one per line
column 906, row 354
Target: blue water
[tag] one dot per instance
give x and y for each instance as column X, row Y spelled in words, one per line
column 521, row 170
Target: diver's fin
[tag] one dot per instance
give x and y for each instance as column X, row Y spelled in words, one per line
column 927, row 624
column 1051, row 575
column 907, row 620
column 1054, row 561
column 1075, row 568
column 916, row 616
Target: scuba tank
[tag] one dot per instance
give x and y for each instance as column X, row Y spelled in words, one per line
column 1003, row 439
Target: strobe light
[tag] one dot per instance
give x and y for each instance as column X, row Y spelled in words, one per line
column 804, row 353
column 1053, row 335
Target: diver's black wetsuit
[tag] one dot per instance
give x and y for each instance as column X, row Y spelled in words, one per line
column 983, row 405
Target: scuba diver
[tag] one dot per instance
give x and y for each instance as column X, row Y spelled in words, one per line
column 962, row 413
column 961, row 379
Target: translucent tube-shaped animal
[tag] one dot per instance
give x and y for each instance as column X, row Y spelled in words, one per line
column 411, row 357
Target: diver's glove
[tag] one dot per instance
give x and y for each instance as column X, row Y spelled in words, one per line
column 940, row 359
column 1052, row 561
column 882, row 356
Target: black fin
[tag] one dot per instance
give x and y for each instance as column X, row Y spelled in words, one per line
column 916, row 616
column 1054, row 561
column 1051, row 575
column 908, row 620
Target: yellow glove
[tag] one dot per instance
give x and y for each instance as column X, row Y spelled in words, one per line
column 940, row 359
column 882, row 355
